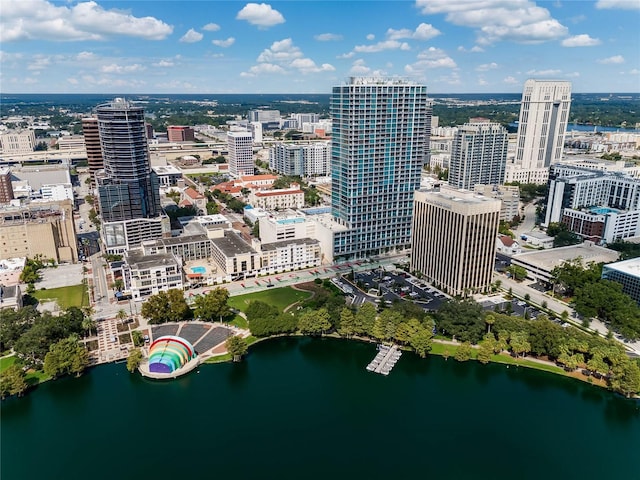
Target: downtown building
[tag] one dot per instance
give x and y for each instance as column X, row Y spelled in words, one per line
column 544, row 114
column 240, row 145
column 479, row 155
column 454, row 239
column 300, row 159
column 128, row 189
column 91, row 134
column 380, row 142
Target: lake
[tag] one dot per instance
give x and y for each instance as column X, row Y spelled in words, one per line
column 304, row 408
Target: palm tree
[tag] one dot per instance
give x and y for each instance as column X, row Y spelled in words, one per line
column 121, row 315
column 88, row 324
column 489, row 320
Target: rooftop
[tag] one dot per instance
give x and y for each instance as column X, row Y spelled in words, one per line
column 630, row 267
column 138, row 260
column 231, row 244
column 554, row 257
column 285, row 243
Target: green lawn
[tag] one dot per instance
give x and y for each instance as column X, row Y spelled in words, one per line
column 278, row 297
column 73, row 296
column 6, row 362
column 239, row 322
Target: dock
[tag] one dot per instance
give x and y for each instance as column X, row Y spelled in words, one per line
column 385, row 360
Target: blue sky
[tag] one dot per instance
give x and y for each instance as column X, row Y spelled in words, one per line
column 453, row 46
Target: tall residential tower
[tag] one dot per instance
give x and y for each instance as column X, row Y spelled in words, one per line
column 544, row 114
column 379, row 143
column 479, row 155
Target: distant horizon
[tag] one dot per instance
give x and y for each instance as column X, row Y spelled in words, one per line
column 289, row 93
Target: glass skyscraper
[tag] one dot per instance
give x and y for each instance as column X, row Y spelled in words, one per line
column 379, row 143
column 128, row 189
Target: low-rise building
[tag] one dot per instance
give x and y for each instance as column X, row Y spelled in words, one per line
column 124, row 235
column 289, row 255
column 285, row 226
column 234, row 256
column 192, row 198
column 292, row 197
column 10, row 270
column 168, row 175
column 540, row 263
column 146, row 275
column 507, row 245
column 10, row 297
column 23, row 141
column 509, row 195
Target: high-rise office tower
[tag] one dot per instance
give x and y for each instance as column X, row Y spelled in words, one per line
column 179, row 133
column 454, row 239
column 240, row 145
column 479, row 155
column 92, row 145
column 379, row 143
column 128, row 188
column 544, row 114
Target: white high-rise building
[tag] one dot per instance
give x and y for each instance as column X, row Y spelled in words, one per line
column 301, row 159
column 544, row 114
column 479, row 155
column 240, row 144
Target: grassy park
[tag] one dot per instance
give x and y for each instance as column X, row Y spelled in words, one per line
column 72, row 296
column 278, row 297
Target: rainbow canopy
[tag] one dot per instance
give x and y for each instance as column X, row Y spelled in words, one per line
column 169, row 353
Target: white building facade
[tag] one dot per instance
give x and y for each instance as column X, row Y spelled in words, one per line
column 240, row 145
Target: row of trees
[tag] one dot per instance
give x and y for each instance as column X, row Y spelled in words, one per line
column 593, row 296
column 171, row 306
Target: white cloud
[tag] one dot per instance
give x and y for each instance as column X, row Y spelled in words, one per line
column 543, row 73
column 40, row 62
column 429, row 59
column 612, row 60
column 371, row 37
column 424, row 31
column 619, row 4
column 582, row 40
column 347, row 55
column 510, row 80
column 112, row 82
column 224, row 43
column 573, row 74
column 86, row 56
column 486, row 66
column 211, row 27
column 262, row 15
column 176, row 84
column 263, row 68
column 328, row 37
column 283, row 57
column 306, row 65
column 634, row 71
column 498, row 20
column 482, row 81
column 381, row 46
column 474, row 49
column 191, row 36
column 73, row 81
column 43, row 20
column 359, row 68
column 164, row 64
column 120, row 69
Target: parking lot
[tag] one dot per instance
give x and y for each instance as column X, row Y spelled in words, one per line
column 381, row 286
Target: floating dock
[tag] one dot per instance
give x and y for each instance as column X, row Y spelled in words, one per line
column 385, row 359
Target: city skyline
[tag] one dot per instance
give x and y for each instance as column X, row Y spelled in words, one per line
column 308, row 47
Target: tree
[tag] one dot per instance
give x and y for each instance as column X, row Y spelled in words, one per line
column 118, row 284
column 626, row 378
column 138, row 339
column 169, row 306
column 485, row 351
column 518, row 272
column 421, row 341
column 214, row 305
column 463, row 353
column 237, row 347
column 519, row 343
column 347, row 323
column 88, row 325
column 364, row 319
column 134, row 359
column 489, row 319
column 121, row 315
column 314, row 322
column 463, row 319
column 12, row 381
column 65, row 357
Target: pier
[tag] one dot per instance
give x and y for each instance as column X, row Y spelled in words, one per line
column 385, row 359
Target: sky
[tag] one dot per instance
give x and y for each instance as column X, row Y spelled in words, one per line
column 300, row 46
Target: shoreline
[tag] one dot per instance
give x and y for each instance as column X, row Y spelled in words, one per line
column 500, row 358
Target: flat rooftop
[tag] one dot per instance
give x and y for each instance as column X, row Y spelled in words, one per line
column 630, row 267
column 554, row 257
column 231, row 244
column 140, row 261
column 285, row 243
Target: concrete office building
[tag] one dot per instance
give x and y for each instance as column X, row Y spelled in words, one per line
column 626, row 273
column 91, row 134
column 270, row 119
column 146, row 275
column 454, row 239
column 177, row 133
column 14, row 142
column 38, row 228
column 6, row 189
column 479, row 155
column 380, row 142
column 300, row 159
column 240, row 145
column 544, row 113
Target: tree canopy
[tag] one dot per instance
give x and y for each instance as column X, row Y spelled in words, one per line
column 213, row 305
column 169, row 306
